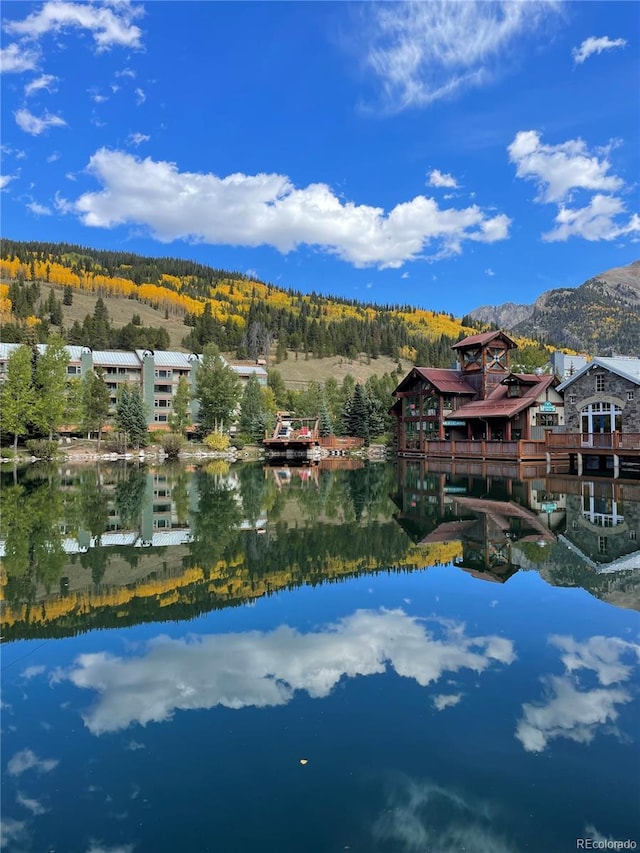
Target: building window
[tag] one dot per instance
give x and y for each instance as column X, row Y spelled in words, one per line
column 572, row 398
column 160, row 419
column 546, row 420
column 630, row 395
column 514, row 389
column 599, row 383
column 602, row 544
column 633, row 535
column 72, row 370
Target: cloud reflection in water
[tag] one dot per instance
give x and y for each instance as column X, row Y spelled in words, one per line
column 263, row 669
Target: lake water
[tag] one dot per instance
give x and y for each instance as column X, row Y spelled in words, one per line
column 310, row 660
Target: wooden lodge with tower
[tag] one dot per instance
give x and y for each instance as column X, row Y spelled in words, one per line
column 478, row 409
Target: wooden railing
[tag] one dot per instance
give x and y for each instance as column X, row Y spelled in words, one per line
column 583, row 442
column 341, row 442
column 521, row 449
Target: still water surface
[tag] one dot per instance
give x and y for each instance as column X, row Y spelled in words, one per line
column 378, row 659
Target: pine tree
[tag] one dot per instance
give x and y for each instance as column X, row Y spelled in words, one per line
column 130, row 416
column 18, row 394
column 252, row 420
column 357, row 419
column 67, row 298
column 325, row 426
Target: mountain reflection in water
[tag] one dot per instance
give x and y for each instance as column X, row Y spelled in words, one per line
column 245, row 700
column 115, row 545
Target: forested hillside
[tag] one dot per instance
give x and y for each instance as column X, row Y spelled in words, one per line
column 237, row 313
column 600, row 317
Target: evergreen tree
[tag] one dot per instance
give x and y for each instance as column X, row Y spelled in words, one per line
column 51, row 381
column 95, row 402
column 325, row 426
column 357, row 416
column 67, row 298
column 252, row 415
column 18, row 394
column 217, row 389
column 180, row 416
column 130, row 416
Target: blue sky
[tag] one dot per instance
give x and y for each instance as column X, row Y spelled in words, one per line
column 443, row 154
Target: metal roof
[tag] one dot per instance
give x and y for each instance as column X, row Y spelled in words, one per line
column 499, row 405
column 6, row 349
column 168, row 358
column 114, row 358
column 483, row 338
column 628, row 368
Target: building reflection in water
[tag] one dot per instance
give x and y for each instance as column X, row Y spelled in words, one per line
column 494, row 517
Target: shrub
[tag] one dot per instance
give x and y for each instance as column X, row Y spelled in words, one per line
column 216, row 441
column 157, row 436
column 171, row 443
column 6, row 453
column 42, row 448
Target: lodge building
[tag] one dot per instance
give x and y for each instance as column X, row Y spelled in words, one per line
column 156, row 372
column 479, row 409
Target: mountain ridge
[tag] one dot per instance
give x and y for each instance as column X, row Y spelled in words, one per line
column 599, row 317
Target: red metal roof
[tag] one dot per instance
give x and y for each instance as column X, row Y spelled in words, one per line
column 446, row 381
column 483, row 338
column 499, row 405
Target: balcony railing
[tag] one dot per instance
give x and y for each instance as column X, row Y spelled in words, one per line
column 583, row 442
column 515, row 450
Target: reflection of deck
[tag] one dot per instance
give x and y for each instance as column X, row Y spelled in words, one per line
column 515, row 451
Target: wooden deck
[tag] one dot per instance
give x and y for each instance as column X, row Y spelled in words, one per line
column 618, row 443
column 514, row 451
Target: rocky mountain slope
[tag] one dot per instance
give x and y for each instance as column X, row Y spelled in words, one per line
column 601, row 317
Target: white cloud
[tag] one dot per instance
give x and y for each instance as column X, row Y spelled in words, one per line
column 12, row 830
column 5, row 179
column 266, row 669
column 422, row 52
column 405, row 275
column 109, row 26
column 32, row 671
column 35, row 807
column 99, row 847
column 420, row 816
column 138, row 138
column 559, row 169
column 53, row 157
column 595, row 221
column 570, row 711
column 595, row 45
column 26, row 759
column 126, row 72
column 140, row 96
column 38, row 209
column 36, row 125
column 16, row 58
column 445, row 700
column 45, row 81
column 436, row 178
column 266, row 209
column 489, row 272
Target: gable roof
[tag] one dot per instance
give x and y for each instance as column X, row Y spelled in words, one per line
column 484, row 338
column 444, row 380
column 499, row 405
column 627, row 368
